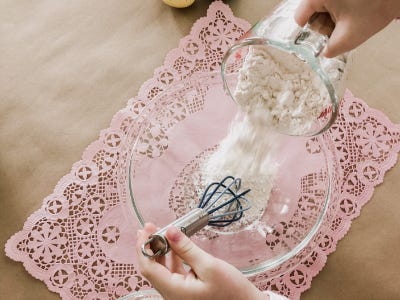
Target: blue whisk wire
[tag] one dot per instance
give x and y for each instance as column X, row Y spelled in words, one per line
column 214, row 192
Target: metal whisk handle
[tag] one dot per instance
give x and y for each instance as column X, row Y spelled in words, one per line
column 189, row 224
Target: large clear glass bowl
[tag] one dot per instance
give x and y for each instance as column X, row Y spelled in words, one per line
column 165, row 149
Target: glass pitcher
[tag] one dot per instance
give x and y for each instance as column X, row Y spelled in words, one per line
column 276, row 68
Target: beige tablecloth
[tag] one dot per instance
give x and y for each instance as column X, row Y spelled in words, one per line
column 67, row 66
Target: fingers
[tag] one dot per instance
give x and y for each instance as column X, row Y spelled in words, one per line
column 305, row 10
column 182, row 249
column 175, row 264
column 196, row 258
column 349, row 33
column 156, row 273
column 322, row 23
column 341, row 40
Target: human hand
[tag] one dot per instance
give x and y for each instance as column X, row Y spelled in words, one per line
column 355, row 21
column 208, row 277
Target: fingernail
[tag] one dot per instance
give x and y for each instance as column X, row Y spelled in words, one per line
column 174, row 234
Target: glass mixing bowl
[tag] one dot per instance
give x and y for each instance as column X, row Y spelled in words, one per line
column 165, row 148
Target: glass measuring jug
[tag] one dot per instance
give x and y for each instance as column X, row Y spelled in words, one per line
column 276, row 70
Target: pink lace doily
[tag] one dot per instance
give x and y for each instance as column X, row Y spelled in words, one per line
column 76, row 242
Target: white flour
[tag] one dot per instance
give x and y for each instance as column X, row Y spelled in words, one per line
column 275, row 90
column 246, row 152
column 291, row 95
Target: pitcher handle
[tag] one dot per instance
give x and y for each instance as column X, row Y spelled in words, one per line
column 315, row 41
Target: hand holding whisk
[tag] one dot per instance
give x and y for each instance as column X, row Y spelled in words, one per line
column 221, row 204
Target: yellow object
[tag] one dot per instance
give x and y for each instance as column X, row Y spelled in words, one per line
column 179, row 3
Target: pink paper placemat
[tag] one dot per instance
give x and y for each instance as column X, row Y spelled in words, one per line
column 77, row 242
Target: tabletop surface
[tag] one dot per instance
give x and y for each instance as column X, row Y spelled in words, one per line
column 68, row 66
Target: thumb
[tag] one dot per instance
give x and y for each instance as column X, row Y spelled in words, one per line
column 195, row 257
column 341, row 40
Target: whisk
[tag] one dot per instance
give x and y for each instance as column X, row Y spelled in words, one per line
column 220, row 205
